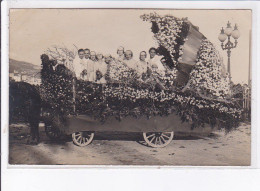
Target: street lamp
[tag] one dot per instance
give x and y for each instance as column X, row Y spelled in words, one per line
column 226, row 34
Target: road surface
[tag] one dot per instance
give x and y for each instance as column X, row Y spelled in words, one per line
column 232, row 149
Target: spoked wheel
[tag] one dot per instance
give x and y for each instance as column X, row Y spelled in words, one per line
column 158, row 140
column 82, row 138
column 52, row 132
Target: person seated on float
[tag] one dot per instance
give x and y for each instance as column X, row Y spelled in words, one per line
column 91, row 76
column 120, row 52
column 87, row 53
column 100, row 64
column 79, row 65
column 129, row 61
column 108, row 59
column 142, row 64
column 93, row 56
column 154, row 63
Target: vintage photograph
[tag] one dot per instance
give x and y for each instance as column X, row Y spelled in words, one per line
column 154, row 87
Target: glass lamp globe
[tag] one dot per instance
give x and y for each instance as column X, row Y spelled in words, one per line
column 235, row 33
column 228, row 30
column 222, row 36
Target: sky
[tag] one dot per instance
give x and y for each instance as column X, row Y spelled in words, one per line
column 32, row 31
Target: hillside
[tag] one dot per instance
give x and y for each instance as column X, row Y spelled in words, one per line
column 20, row 66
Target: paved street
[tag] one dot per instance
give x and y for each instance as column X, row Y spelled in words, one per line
column 128, row 149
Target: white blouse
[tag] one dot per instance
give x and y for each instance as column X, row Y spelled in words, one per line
column 79, row 65
column 142, row 67
column 102, row 67
column 131, row 64
column 91, row 72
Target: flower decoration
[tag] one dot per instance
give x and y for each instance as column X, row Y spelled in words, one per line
column 171, row 33
column 62, row 92
column 208, row 76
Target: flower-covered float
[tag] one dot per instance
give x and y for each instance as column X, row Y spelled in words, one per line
column 194, row 92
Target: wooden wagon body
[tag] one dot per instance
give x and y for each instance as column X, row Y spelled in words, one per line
column 172, row 122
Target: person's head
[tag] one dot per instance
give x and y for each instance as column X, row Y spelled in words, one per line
column 142, row 56
column 99, row 56
column 128, row 54
column 87, row 53
column 93, row 55
column 81, row 53
column 152, row 52
column 120, row 51
column 107, row 58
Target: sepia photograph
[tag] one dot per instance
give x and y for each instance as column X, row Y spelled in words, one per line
column 149, row 87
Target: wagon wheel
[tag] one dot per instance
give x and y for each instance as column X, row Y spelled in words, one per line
column 52, row 132
column 82, row 138
column 158, row 140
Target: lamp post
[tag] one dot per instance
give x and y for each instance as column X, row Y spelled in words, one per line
column 226, row 34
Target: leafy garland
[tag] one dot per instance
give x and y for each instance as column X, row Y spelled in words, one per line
column 208, row 76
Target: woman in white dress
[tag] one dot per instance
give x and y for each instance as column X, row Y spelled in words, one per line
column 121, row 53
column 101, row 69
column 129, row 61
column 91, row 76
column 142, row 64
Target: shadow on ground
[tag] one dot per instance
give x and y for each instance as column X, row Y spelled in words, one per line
column 21, row 133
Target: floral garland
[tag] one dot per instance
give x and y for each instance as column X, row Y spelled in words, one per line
column 208, row 76
column 121, row 101
column 171, row 33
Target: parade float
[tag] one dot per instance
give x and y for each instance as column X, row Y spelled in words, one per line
column 194, row 92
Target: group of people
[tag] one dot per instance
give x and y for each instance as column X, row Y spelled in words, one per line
column 91, row 66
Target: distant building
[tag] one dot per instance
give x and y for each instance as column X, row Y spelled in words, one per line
column 11, row 75
column 17, row 76
column 24, row 77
